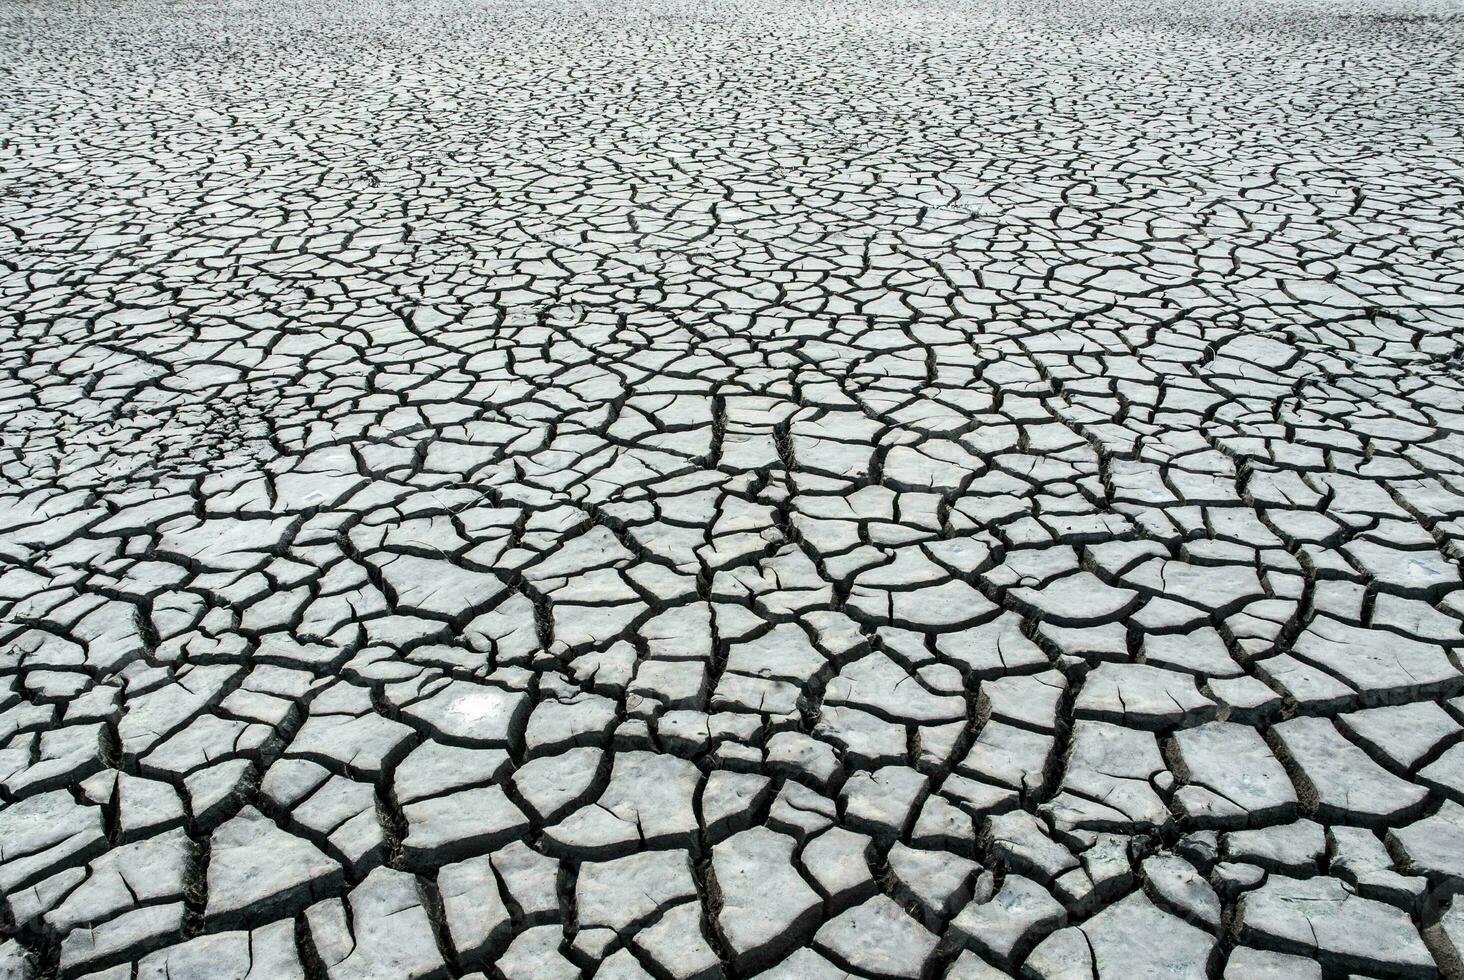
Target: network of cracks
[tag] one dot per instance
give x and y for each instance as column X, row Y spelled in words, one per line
column 914, row 490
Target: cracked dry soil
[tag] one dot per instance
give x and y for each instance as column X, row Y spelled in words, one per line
column 774, row 488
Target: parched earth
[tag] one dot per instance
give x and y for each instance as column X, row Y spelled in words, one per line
column 777, row 488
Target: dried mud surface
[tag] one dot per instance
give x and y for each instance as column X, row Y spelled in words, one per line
column 778, row 489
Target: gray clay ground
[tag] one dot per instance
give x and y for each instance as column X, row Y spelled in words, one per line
column 775, row 488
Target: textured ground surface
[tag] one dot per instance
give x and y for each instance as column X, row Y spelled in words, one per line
column 897, row 489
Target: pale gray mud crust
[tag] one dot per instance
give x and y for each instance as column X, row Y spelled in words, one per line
column 776, row 488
